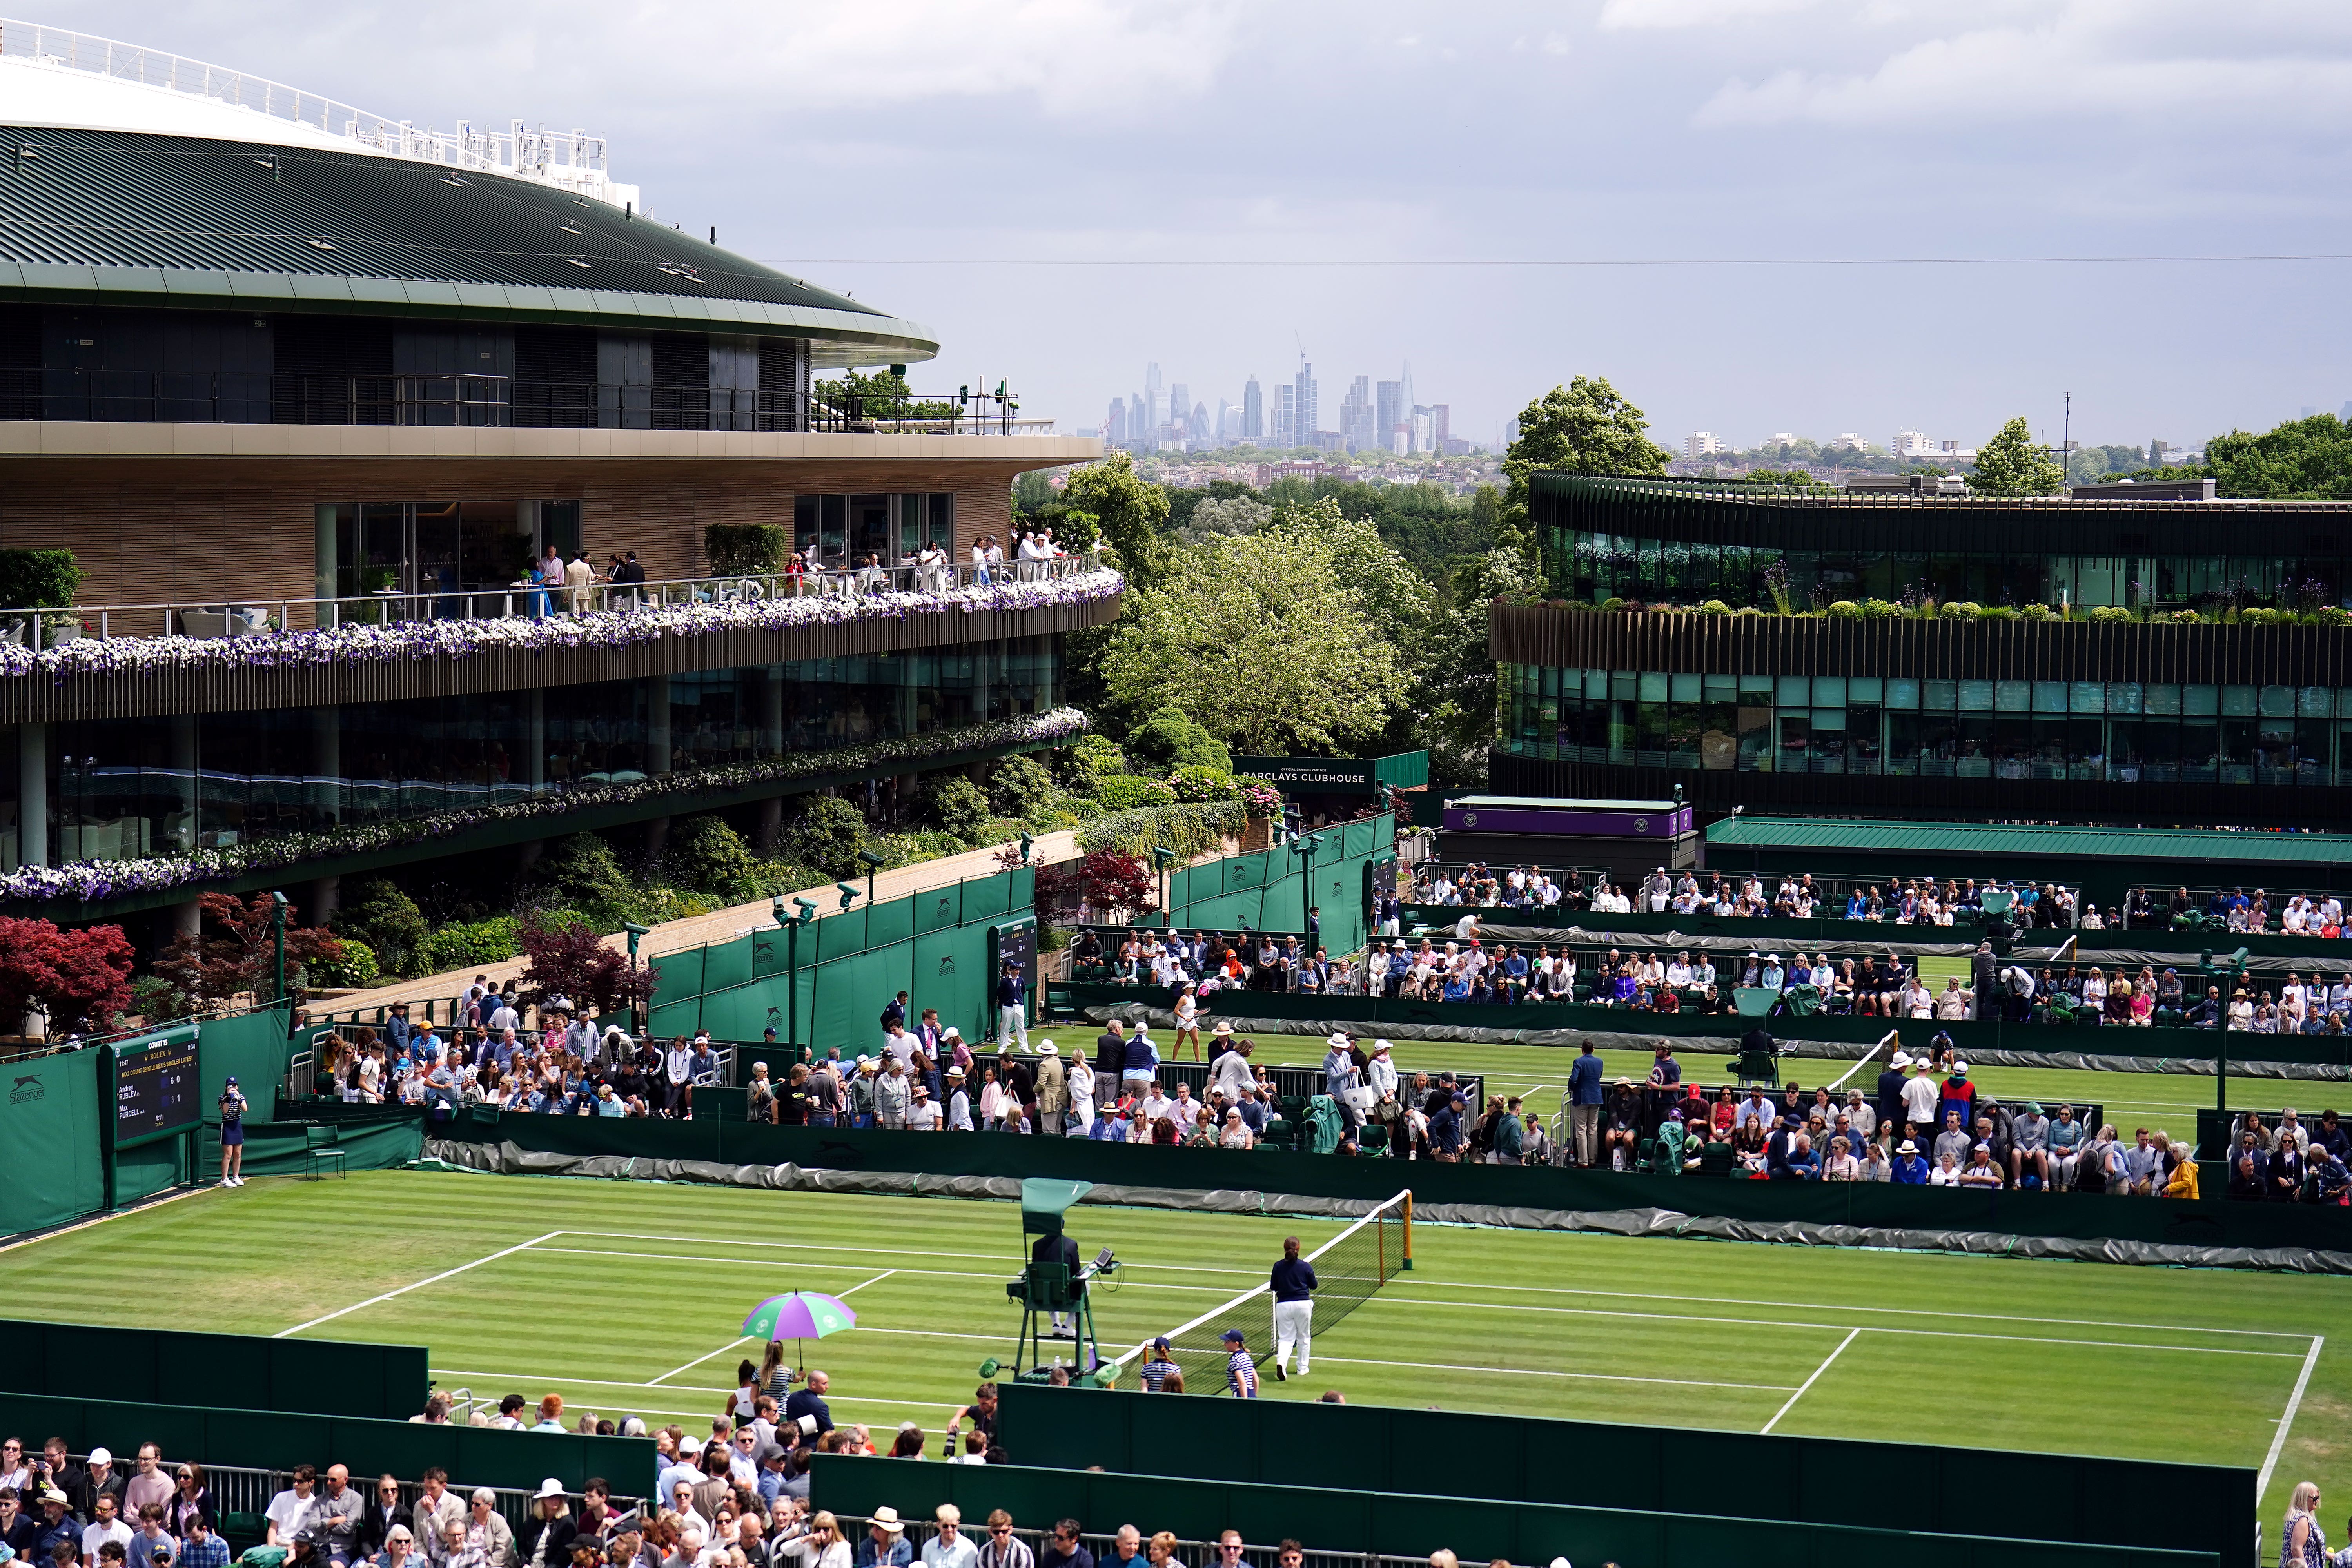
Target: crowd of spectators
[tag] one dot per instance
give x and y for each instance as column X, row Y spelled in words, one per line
column 1204, row 963
column 1912, row 900
column 2288, row 1159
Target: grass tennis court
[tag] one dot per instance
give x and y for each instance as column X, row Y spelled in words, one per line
column 624, row 1298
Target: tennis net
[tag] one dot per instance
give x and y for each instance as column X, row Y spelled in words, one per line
column 1348, row 1268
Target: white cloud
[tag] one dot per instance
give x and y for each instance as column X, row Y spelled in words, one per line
column 1629, row 16
column 1555, row 43
column 2090, row 60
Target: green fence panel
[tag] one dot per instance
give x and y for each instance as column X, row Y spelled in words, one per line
column 1181, row 892
column 50, row 1126
column 889, row 922
column 90, row 1361
column 768, row 951
column 987, row 898
column 1357, row 1520
column 895, row 965
column 677, row 975
column 939, row 908
column 1818, row 1481
column 839, row 1007
column 666, row 1019
column 1021, row 888
column 727, row 964
column 151, row 1168
column 840, row 935
column 950, row 973
column 252, row 1048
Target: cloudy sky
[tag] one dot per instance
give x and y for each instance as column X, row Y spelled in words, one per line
column 1752, row 215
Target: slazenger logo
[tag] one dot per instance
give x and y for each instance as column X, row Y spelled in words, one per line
column 25, row 1088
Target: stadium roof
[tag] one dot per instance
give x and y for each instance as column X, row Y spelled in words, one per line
column 127, row 218
column 1985, row 838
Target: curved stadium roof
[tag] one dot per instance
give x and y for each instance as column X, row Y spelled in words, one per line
column 94, row 214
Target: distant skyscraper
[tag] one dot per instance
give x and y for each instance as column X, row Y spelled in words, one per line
column 1285, row 415
column 1356, row 415
column 1139, row 435
column 1253, row 411
column 1155, row 405
column 1388, row 412
column 1115, row 426
column 1302, row 406
column 1404, row 392
column 1442, row 422
column 1424, row 430
column 1180, row 405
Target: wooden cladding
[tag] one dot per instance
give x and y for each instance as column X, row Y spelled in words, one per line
column 36, row 700
column 1932, row 650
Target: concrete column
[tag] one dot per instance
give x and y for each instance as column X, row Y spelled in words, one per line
column 323, row 550
column 658, row 725
column 32, row 794
column 534, row 741
column 772, row 823
column 771, row 716
column 184, row 768
column 327, row 766
column 656, row 836
column 321, row 898
column 188, row 918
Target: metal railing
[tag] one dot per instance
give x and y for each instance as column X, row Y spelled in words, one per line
column 489, row 402
column 2202, row 895
column 1104, row 1546
column 575, row 162
column 46, row 627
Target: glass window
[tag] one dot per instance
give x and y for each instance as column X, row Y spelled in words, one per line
column 2160, row 701
column 1722, row 688
column 2122, row 697
column 2315, row 702
column 1624, row 685
column 1975, row 696
column 1758, row 689
column 1795, row 691
column 1596, row 686
column 2200, row 701
column 2086, row 697
column 2277, row 701
column 2237, row 702
column 2012, row 696
column 1683, row 688
column 2050, row 697
column 1864, row 688
column 1829, row 691
column 1903, row 695
column 1943, row 696
column 1651, row 686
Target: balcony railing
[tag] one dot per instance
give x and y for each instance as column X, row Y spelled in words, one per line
column 39, row 628
column 225, row 397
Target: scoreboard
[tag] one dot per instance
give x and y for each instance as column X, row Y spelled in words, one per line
column 156, row 1093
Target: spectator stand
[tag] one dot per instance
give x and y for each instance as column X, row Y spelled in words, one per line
column 2150, row 907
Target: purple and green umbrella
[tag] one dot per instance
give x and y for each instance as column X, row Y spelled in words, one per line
column 798, row 1316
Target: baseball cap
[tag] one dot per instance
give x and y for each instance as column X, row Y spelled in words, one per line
column 230, row 1083
column 100, row 1456
column 1231, row 1336
column 1960, row 1069
column 1160, row 1343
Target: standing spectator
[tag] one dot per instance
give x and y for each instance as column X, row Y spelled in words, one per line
column 1293, row 1283
column 1584, row 1108
column 949, row 1548
column 232, row 1135
column 1053, row 1090
column 809, row 1399
column 2302, row 1543
column 1005, row 1549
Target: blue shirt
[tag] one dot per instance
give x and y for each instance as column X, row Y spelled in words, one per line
column 1910, row 1171
column 1294, row 1280
column 1241, row 1375
column 1584, row 1081
column 1009, row 989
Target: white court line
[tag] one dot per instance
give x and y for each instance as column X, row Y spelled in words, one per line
column 730, row 1344
column 869, row 1252
column 2295, row 1402
column 404, row 1289
column 1833, row 1328
column 786, row 1263
column 1811, row 1381
column 1884, row 1311
column 1545, row 1372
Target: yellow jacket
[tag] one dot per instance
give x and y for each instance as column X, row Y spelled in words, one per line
column 2183, row 1182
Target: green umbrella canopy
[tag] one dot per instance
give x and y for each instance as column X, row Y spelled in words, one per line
column 800, row 1315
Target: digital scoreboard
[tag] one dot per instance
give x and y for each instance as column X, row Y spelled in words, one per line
column 156, row 1093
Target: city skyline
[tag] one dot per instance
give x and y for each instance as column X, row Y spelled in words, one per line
column 1163, row 415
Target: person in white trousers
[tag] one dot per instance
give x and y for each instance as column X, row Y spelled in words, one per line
column 1294, row 1310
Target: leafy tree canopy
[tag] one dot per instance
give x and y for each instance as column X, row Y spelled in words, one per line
column 1584, row 427
column 2014, row 464
column 1130, row 512
column 1260, row 638
column 2303, row 459
column 1169, row 739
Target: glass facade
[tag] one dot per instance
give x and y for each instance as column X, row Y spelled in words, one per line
column 833, row 531
column 120, row 788
column 1600, row 566
column 2113, row 731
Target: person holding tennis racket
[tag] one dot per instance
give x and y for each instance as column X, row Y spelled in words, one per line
column 1294, row 1309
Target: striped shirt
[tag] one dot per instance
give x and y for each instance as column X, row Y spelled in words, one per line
column 1156, row 1372
column 1241, row 1375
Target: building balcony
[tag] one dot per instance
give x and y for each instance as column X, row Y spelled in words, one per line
column 115, row 662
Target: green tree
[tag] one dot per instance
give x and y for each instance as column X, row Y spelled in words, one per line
column 2014, row 464
column 882, row 395
column 825, row 835
column 1019, row 787
column 1259, row 636
column 2303, row 459
column 581, row 873
column 955, row 803
column 1171, row 740
column 1390, row 591
column 1584, row 427
column 1131, row 513
column 378, row 913
column 705, row 854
